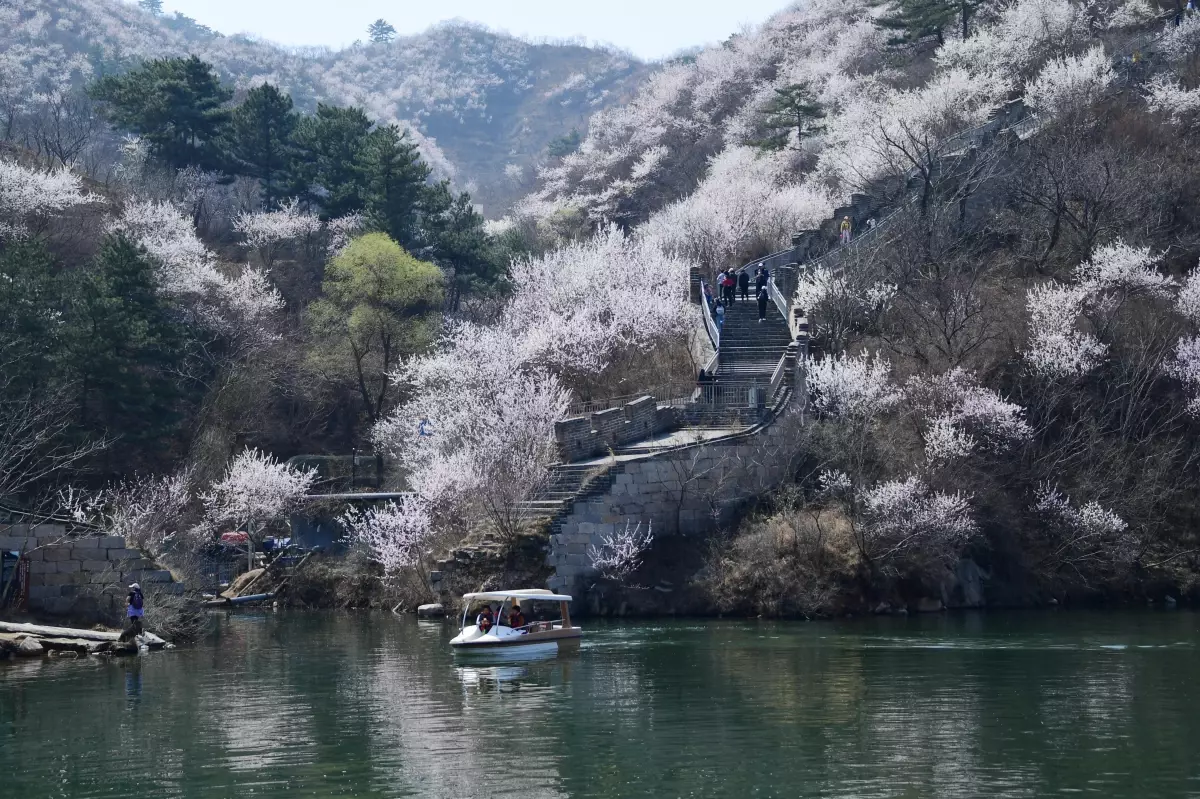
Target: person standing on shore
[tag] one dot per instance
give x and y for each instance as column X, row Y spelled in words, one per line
column 135, row 610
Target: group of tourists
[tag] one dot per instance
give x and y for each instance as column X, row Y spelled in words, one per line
column 487, row 619
column 731, row 284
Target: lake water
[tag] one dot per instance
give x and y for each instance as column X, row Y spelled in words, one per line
column 321, row 705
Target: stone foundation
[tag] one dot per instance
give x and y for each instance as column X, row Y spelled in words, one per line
column 67, row 571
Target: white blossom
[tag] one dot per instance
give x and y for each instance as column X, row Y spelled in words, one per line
column 1119, row 267
column 26, row 193
column 619, row 554
column 1056, row 348
column 266, row 231
column 1129, row 14
column 834, row 482
column 1179, row 42
column 1188, row 300
column 256, row 490
column 241, row 307
column 1023, row 33
column 963, row 417
column 945, row 441
column 393, row 534
column 852, row 387
column 1185, row 367
column 1070, row 84
column 901, row 515
column 1165, row 96
column 342, row 230
column 1091, row 529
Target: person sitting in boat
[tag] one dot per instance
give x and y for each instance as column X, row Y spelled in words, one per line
column 516, row 618
column 485, row 620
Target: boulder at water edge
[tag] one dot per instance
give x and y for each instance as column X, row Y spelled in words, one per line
column 431, row 611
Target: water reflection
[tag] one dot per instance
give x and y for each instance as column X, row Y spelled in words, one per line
column 324, row 705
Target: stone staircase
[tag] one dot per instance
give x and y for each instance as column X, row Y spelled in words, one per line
column 750, row 350
column 569, row 483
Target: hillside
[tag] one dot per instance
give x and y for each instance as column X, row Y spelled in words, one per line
column 485, row 104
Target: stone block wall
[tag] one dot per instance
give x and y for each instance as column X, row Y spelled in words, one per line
column 68, row 571
column 594, row 435
column 688, row 491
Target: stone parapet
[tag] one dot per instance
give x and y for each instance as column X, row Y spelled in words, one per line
column 589, row 436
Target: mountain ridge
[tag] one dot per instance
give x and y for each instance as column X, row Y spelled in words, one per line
column 483, row 105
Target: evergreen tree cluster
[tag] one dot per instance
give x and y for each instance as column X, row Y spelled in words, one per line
column 102, row 344
column 337, row 161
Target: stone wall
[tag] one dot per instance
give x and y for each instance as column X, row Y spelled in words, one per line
column 69, row 573
column 594, row 435
column 685, row 491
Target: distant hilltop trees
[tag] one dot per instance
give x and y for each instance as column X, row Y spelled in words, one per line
column 381, row 31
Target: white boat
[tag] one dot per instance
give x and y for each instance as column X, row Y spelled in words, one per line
column 539, row 638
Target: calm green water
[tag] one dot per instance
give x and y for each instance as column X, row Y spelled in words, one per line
column 371, row 705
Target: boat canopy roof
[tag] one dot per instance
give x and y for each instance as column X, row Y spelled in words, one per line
column 531, row 594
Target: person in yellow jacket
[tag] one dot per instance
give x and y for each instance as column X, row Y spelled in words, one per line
column 845, row 230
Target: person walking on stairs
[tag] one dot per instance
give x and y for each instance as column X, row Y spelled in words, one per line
column 763, row 298
column 845, row 230
column 730, row 283
column 720, row 317
column 760, row 280
column 744, row 284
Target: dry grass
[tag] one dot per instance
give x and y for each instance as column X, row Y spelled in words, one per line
column 793, row 563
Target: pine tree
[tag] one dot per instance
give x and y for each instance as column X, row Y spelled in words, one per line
column 261, row 140
column 453, row 237
column 792, row 109
column 914, row 20
column 397, row 177
column 124, row 349
column 178, row 105
column 330, row 165
column 381, row 32
column 155, row 7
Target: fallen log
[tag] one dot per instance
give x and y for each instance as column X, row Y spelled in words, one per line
column 40, row 631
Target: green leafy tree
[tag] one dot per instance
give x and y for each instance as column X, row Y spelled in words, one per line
column 153, row 6
column 793, row 108
column 380, row 305
column 454, row 238
column 913, row 20
column 261, row 140
column 381, row 31
column 124, row 349
column 177, row 104
column 330, row 164
column 396, row 184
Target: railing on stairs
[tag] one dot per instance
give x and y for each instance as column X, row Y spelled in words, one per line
column 777, row 378
column 710, row 324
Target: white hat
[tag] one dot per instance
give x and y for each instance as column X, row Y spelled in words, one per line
column 135, row 586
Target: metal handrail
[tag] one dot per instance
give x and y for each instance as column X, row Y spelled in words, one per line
column 710, row 324
column 777, row 377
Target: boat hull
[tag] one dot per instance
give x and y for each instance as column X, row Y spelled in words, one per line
column 505, row 639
